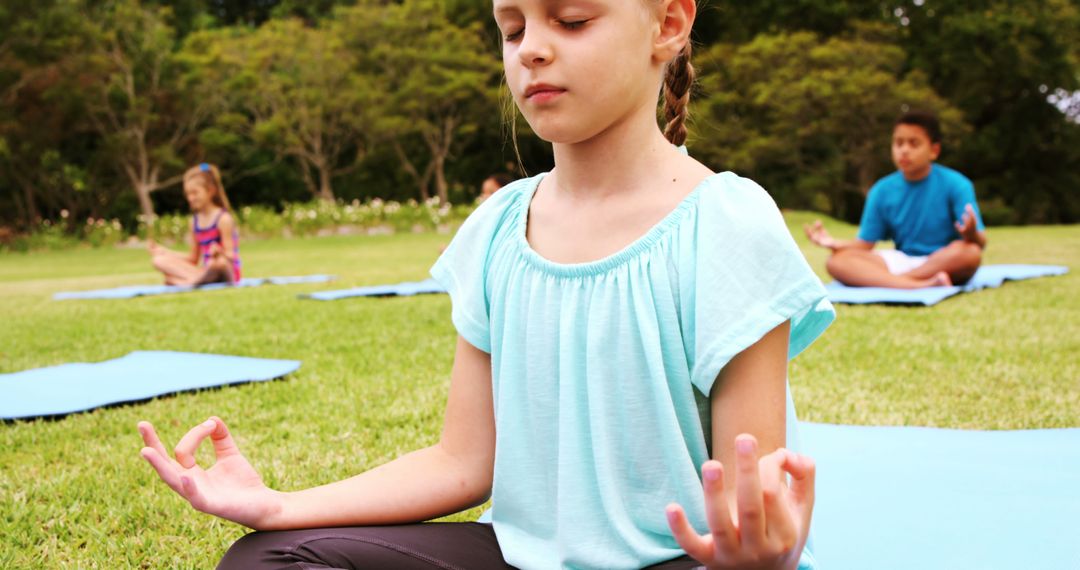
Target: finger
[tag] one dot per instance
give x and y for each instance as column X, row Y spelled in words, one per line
column 192, row 493
column 748, row 492
column 151, row 439
column 185, row 450
column 688, row 538
column 224, row 446
column 803, row 473
column 717, row 513
column 780, row 524
column 165, row 467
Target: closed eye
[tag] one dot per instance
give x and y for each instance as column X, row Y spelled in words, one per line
column 513, row 36
column 573, row 25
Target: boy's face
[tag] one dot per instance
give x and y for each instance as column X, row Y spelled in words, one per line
column 912, row 151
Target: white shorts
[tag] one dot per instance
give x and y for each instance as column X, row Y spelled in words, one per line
column 899, row 262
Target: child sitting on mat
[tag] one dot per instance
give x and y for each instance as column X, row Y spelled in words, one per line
column 620, row 379
column 927, row 209
column 215, row 242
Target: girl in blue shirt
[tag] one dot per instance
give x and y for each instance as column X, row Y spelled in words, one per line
column 619, row 386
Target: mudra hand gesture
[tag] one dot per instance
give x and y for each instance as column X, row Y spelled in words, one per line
column 230, row 489
column 767, row 524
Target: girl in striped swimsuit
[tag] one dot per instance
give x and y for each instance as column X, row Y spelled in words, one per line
column 215, row 242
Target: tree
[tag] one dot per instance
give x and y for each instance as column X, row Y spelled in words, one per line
column 293, row 89
column 47, row 153
column 999, row 62
column 810, row 119
column 440, row 80
column 137, row 103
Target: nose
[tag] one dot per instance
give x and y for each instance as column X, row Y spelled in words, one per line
column 535, row 50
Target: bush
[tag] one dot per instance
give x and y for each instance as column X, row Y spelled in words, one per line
column 296, row 219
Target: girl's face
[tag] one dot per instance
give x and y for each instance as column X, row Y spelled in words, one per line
column 577, row 67
column 198, row 196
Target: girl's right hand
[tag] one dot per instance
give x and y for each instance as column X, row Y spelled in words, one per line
column 230, row 489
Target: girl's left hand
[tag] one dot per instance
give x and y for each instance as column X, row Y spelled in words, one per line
column 772, row 519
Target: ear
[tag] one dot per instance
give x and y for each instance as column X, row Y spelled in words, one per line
column 676, row 19
column 935, row 150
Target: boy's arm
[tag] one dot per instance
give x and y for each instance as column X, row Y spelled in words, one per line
column 968, row 227
column 819, row 236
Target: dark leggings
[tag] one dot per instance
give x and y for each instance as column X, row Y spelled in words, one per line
column 449, row 546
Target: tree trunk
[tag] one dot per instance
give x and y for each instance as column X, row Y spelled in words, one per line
column 439, row 162
column 326, row 192
column 145, row 203
column 422, row 182
column 31, row 210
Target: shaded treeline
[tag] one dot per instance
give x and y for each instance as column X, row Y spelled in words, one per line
column 104, row 103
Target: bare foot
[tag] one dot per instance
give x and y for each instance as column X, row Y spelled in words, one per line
column 941, row 279
column 218, row 270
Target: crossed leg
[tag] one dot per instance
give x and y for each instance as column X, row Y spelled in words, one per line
column 960, row 259
column 954, row 263
column 179, row 271
column 864, row 268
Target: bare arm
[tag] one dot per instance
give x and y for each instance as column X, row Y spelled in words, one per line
column 819, row 236
column 454, row 474
column 756, row 518
column 193, row 255
column 227, row 229
column 968, row 228
column 750, row 396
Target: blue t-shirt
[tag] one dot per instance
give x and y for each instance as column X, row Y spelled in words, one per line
column 601, row 371
column 918, row 216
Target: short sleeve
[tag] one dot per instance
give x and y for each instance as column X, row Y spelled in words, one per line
column 872, row 226
column 963, row 193
column 750, row 277
column 463, row 266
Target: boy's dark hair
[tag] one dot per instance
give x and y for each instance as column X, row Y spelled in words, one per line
column 925, row 119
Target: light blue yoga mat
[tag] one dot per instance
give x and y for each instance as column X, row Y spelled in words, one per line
column 68, row 388
column 908, row 497
column 987, row 276
column 147, row 290
column 398, row 289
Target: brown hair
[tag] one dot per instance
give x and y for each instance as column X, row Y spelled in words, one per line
column 678, row 81
column 210, row 177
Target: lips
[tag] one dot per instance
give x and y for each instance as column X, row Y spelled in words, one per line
column 542, row 91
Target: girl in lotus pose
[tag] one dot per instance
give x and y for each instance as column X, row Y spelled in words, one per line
column 619, row 386
column 215, row 243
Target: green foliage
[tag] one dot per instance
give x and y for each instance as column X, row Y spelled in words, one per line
column 314, row 218
column 810, row 119
column 104, row 102
column 998, row 61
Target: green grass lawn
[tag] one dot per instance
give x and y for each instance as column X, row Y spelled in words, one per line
column 75, row 493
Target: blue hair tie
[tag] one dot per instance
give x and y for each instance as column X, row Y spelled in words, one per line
column 204, row 167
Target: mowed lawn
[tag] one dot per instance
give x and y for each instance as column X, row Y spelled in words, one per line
column 75, row 493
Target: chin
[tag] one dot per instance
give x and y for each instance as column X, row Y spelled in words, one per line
column 561, row 132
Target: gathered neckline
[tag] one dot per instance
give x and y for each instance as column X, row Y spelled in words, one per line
column 586, row 268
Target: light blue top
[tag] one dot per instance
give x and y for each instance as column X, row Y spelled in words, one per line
column 918, row 216
column 601, row 371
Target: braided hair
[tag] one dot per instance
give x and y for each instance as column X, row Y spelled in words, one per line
column 678, row 80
